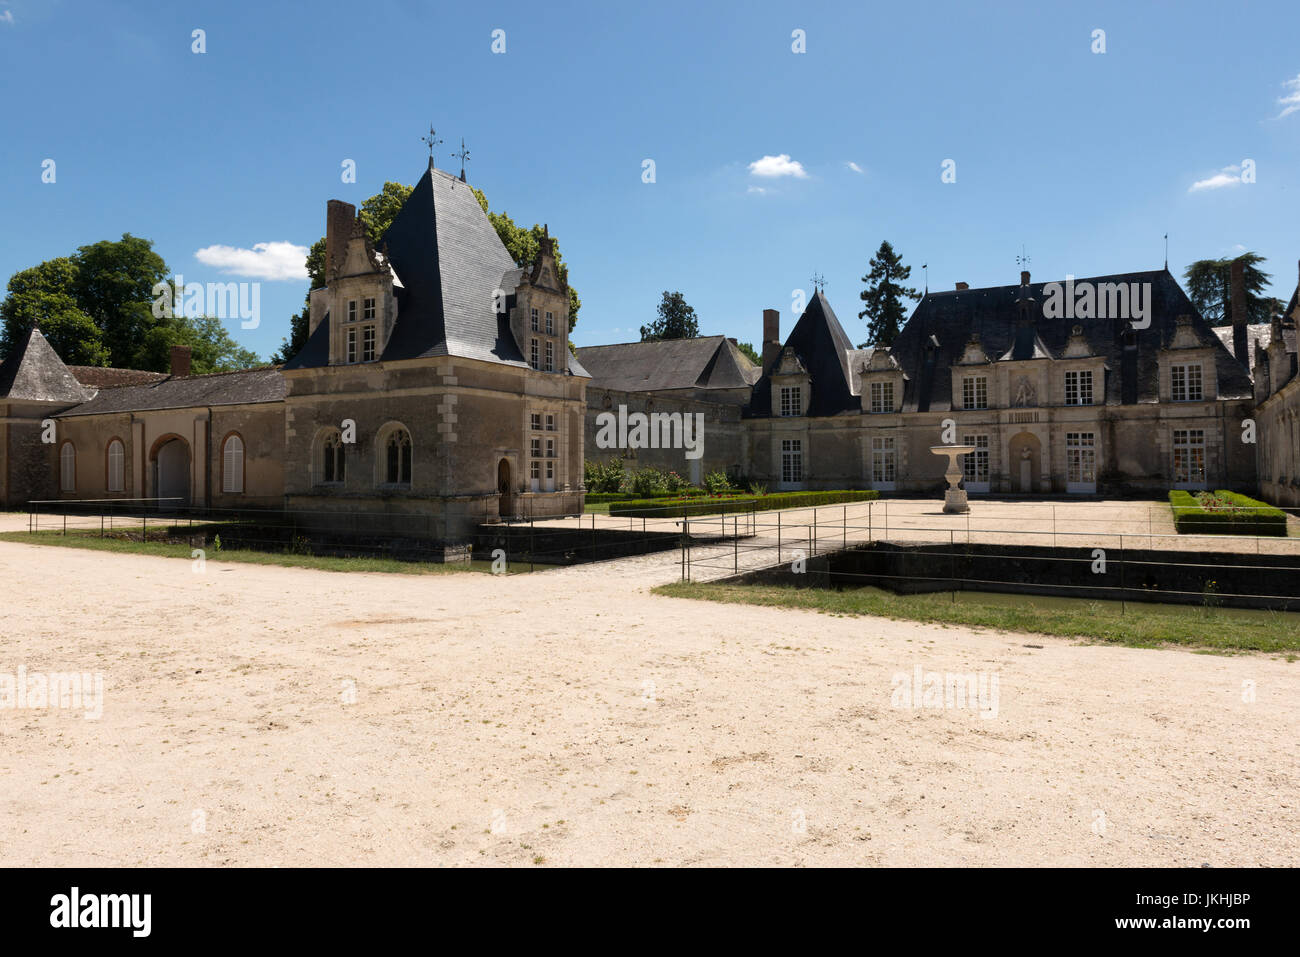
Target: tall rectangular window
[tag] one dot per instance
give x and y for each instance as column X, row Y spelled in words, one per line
column 367, row 309
column 532, row 318
column 884, row 460
column 367, row 343
column 975, row 465
column 1185, row 382
column 550, row 324
column 1080, row 458
column 352, row 345
column 352, row 310
column 791, row 400
column 1078, row 388
column 882, row 397
column 535, row 421
column 791, row 460
column 116, row 466
column 1189, row 456
column 974, row 392
column 550, row 356
column 550, row 423
column 534, row 353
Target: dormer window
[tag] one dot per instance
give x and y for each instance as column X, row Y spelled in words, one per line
column 352, row 346
column 550, row 423
column 368, row 343
column 352, row 310
column 882, row 397
column 1078, row 388
column 550, row 352
column 534, row 351
column 532, row 318
column 975, row 392
column 791, row 400
column 550, row 324
column 367, row 308
column 535, row 421
column 1185, row 382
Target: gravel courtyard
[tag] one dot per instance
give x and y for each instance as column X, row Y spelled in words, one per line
column 276, row 716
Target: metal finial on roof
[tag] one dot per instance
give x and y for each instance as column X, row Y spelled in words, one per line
column 463, row 156
column 1022, row 260
column 926, row 267
column 1166, row 252
column 819, row 282
column 431, row 140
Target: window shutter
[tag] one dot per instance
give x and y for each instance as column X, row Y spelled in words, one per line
column 233, row 465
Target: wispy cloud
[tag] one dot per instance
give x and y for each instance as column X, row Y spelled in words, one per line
column 7, row 17
column 854, row 166
column 1291, row 102
column 270, row 261
column 1228, row 176
column 757, row 189
column 771, row 167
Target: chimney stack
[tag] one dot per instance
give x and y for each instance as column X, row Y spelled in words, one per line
column 1024, row 277
column 771, row 336
column 962, row 286
column 1238, row 280
column 180, row 361
column 338, row 230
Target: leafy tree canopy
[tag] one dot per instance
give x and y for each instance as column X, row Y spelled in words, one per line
column 750, row 352
column 96, row 309
column 884, row 294
column 1209, row 286
column 676, row 320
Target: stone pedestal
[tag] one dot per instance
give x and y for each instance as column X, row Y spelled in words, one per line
column 954, row 499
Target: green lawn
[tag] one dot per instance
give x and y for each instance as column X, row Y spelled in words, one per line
column 1139, row 626
column 181, row 550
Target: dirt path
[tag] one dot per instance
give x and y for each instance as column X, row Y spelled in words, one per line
column 573, row 717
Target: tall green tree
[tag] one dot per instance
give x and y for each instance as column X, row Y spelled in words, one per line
column 884, row 294
column 750, row 352
column 676, row 320
column 211, row 347
column 113, row 285
column 1209, row 286
column 378, row 213
column 42, row 296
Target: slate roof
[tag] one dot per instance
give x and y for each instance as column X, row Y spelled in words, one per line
column 106, row 377
column 822, row 346
column 949, row 318
column 706, row 362
column 36, row 373
column 1257, row 334
column 185, row 392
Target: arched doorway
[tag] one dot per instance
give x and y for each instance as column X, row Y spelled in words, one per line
column 171, row 470
column 506, row 507
column 1024, row 456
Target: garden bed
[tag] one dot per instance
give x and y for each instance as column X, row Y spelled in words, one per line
column 1225, row 513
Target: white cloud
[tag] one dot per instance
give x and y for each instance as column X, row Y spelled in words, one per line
column 7, row 17
column 281, row 260
column 854, row 166
column 1228, row 176
column 757, row 189
column 774, row 166
column 1291, row 102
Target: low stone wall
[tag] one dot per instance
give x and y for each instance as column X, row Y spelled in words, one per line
column 550, row 545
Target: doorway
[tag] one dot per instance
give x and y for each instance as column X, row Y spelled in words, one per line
column 171, row 465
column 505, row 488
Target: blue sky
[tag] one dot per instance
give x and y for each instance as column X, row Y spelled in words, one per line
column 1086, row 159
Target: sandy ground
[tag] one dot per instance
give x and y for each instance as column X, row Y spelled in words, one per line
column 570, row 717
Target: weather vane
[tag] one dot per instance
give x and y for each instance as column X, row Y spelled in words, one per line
column 819, row 281
column 463, row 156
column 1022, row 260
column 432, row 141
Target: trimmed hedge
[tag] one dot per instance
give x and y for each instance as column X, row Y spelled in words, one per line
column 594, row 498
column 653, row 508
column 1192, row 518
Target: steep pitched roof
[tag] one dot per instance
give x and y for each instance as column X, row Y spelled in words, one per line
column 946, row 321
column 706, row 362
column 822, row 346
column 187, row 392
column 36, row 373
column 1258, row 335
column 450, row 260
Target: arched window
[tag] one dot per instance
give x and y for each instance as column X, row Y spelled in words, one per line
column 232, row 464
column 397, row 469
column 333, row 465
column 67, row 468
column 116, row 466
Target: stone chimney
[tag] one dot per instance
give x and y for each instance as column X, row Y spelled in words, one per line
column 771, row 336
column 1238, row 287
column 962, row 286
column 1024, row 277
column 180, row 360
column 338, row 230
